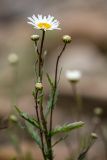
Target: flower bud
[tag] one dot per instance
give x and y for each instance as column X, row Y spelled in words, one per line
column 73, row 75
column 66, row 39
column 13, row 118
column 98, row 111
column 38, row 85
column 94, row 136
column 35, row 37
column 13, row 59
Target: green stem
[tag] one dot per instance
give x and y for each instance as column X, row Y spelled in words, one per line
column 53, row 99
column 40, row 55
column 40, row 131
column 42, row 118
column 39, row 108
column 78, row 101
column 55, row 85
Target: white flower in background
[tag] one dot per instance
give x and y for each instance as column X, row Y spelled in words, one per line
column 73, row 75
column 13, row 118
column 13, row 58
column 45, row 23
column 94, row 135
column 98, row 111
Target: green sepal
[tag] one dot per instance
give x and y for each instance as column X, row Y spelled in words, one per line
column 67, row 128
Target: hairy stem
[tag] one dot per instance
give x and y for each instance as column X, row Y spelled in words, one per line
column 38, row 107
column 40, row 55
column 38, row 119
column 55, row 88
column 44, row 133
column 78, row 100
column 55, row 84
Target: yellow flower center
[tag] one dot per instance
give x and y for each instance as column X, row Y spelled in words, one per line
column 44, row 25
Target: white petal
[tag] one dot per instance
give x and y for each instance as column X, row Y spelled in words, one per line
column 31, row 19
column 48, row 17
column 44, row 19
column 31, row 23
column 51, row 19
column 55, row 23
column 39, row 17
column 34, row 17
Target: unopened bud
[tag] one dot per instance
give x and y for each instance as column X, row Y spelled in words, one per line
column 94, row 135
column 13, row 118
column 98, row 111
column 39, row 86
column 35, row 37
column 13, row 59
column 66, row 39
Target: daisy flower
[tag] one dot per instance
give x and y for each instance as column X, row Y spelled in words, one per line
column 45, row 23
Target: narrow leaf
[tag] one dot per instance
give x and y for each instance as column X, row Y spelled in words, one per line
column 50, row 81
column 67, row 127
column 33, row 134
column 52, row 99
column 28, row 118
column 89, row 142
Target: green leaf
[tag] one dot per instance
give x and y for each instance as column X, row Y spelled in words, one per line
column 87, row 144
column 50, row 81
column 15, row 141
column 67, row 127
column 52, row 99
column 28, row 118
column 33, row 134
column 53, row 96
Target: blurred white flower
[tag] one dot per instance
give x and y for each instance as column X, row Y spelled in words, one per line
column 45, row 23
column 73, row 75
column 13, row 58
column 13, row 118
column 98, row 111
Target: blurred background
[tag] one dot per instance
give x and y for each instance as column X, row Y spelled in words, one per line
column 86, row 22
